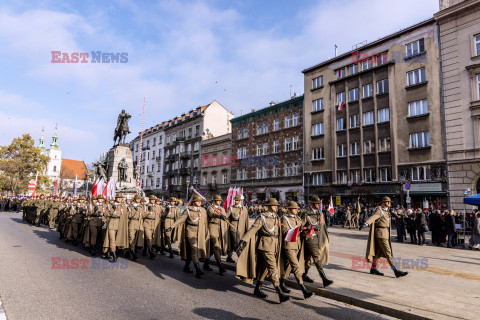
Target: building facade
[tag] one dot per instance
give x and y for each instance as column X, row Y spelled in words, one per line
column 215, row 165
column 151, row 164
column 268, row 148
column 373, row 121
column 459, row 29
column 183, row 140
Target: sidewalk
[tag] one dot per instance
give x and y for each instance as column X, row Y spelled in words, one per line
column 444, row 285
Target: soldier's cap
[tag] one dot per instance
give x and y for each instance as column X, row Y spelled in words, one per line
column 217, row 198
column 293, row 205
column 172, row 199
column 152, row 197
column 119, row 196
column 196, row 198
column 82, row 197
column 386, row 199
column 136, row 197
column 238, row 197
column 314, row 199
column 272, row 202
column 100, row 197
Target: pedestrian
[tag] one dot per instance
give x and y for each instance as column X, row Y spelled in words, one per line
column 475, row 238
column 411, row 229
column 401, row 235
column 450, row 227
column 379, row 244
column 421, row 226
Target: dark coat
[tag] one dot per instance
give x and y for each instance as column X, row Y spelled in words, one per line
column 421, row 222
column 450, row 224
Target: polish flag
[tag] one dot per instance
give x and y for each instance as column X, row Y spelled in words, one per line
column 94, row 188
column 105, row 191
column 56, row 187
column 330, row 206
column 340, row 106
column 292, row 234
column 311, row 233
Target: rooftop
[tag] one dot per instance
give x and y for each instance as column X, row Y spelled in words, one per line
column 70, row 168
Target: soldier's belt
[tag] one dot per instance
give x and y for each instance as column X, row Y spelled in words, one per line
column 381, row 227
column 193, row 225
column 114, row 217
column 134, row 219
column 270, row 235
column 217, row 223
column 149, row 218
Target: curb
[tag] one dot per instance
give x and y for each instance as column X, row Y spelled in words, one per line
column 322, row 292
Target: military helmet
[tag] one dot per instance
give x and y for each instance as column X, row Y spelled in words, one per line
column 100, row 197
column 238, row 197
column 119, row 196
column 217, row 198
column 152, row 197
column 293, row 205
column 196, row 198
column 386, row 199
column 314, row 199
column 272, row 202
column 172, row 199
column 137, row 197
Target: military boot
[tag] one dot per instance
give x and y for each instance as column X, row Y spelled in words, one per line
column 134, row 254
column 198, row 272
column 258, row 292
column 151, row 254
column 306, row 294
column 206, row 265
column 171, row 252
column 221, row 269
column 306, row 278
column 186, row 268
column 326, row 282
column 114, row 256
column 281, row 296
column 399, row 273
column 375, row 271
column 230, row 260
column 282, row 286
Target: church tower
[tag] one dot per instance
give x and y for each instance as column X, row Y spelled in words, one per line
column 55, row 155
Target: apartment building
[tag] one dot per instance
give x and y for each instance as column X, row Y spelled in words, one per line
column 215, row 165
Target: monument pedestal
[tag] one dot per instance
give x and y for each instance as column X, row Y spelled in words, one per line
column 120, row 167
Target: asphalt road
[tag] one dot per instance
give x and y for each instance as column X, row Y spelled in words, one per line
column 33, row 287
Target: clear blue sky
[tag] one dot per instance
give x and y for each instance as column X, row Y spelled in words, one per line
column 181, row 54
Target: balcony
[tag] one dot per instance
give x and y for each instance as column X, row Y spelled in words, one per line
column 171, row 173
column 185, row 171
column 194, row 152
column 179, row 139
column 212, row 186
column 186, row 155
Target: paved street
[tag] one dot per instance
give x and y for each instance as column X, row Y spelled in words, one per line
column 150, row 289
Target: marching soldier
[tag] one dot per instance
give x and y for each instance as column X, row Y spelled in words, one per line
column 317, row 245
column 150, row 217
column 96, row 222
column 238, row 217
column 219, row 235
column 379, row 244
column 77, row 212
column 193, row 235
column 39, row 206
column 53, row 212
column 262, row 244
column 355, row 219
column 117, row 228
column 136, row 210
column 293, row 250
column 169, row 216
column 62, row 218
column 348, row 218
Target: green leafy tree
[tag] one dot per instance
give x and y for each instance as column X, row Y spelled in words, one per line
column 19, row 163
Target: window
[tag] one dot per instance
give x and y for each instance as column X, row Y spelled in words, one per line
column 195, row 146
column 265, row 127
column 317, row 82
column 239, row 153
column 295, row 119
column 288, row 144
column 415, row 47
column 369, row 175
column 239, row 174
column 354, row 149
column 317, row 154
column 265, row 172
column 265, row 148
column 381, row 58
column 477, row 45
column 136, row 147
column 367, row 64
column 352, row 69
column 417, row 108
column 318, row 179
column 478, row 86
column 368, row 146
column 353, row 94
column 341, row 177
column 276, row 172
column 153, row 154
column 197, row 130
column 240, row 134
column 224, row 178
column 416, row 76
column 368, row 118
column 244, row 173
column 154, row 142
column 419, row 173
column 318, row 104
column 189, row 132
column 383, row 144
column 288, row 169
column 288, row 121
column 367, row 90
column 168, row 139
column 355, row 176
column 195, row 163
column 341, row 124
column 340, row 98
column 259, row 173
column 259, row 129
column 354, row 121
column 341, row 151
column 54, row 168
column 148, row 143
column 384, row 115
column 317, row 129
column 295, row 167
column 214, row 179
column 295, row 143
column 382, row 86
column 276, row 124
column 214, row 160
column 204, row 180
column 276, row 146
column 385, row 175
column 419, row 140
column 340, row 73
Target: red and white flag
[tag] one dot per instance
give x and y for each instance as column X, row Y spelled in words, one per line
column 56, row 187
column 292, row 235
column 33, row 186
column 105, row 189
column 340, row 106
column 311, row 233
column 330, row 206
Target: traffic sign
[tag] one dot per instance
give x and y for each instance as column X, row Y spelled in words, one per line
column 408, row 200
column 408, row 185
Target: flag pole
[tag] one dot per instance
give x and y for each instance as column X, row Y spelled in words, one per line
column 141, row 148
